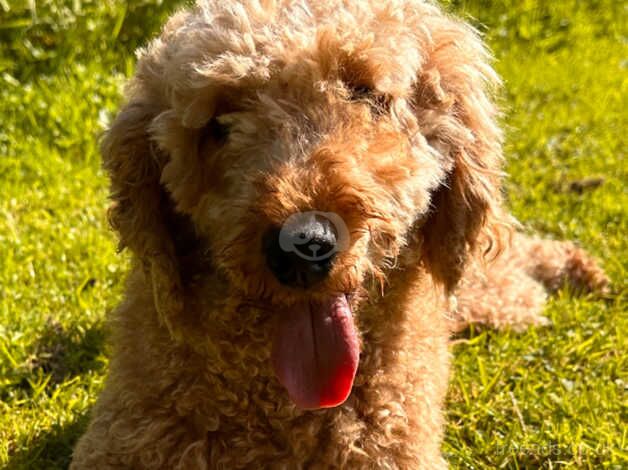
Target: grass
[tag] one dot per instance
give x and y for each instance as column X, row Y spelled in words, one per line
column 552, row 397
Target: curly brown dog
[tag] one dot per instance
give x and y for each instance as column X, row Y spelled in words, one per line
column 307, row 187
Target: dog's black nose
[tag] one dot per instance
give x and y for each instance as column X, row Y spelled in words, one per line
column 300, row 253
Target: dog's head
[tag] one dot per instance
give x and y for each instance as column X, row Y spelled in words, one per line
column 308, row 148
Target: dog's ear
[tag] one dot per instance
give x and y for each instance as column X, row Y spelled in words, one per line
column 455, row 109
column 141, row 209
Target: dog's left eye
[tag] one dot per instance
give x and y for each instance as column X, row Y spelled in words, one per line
column 216, row 131
column 378, row 102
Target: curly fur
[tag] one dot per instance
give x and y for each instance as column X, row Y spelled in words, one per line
column 379, row 111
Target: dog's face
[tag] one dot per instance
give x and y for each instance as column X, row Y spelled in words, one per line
column 289, row 159
column 310, row 157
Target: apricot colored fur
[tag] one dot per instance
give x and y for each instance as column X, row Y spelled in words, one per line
column 378, row 110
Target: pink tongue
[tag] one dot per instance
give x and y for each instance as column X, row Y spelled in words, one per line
column 316, row 353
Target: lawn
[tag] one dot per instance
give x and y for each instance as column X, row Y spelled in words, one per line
column 551, row 397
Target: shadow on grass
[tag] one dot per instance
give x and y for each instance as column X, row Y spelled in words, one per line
column 67, row 353
column 57, row 356
column 60, row 355
column 50, row 450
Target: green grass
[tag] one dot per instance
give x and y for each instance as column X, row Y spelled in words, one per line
column 552, row 397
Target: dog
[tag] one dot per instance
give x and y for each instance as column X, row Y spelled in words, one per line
column 311, row 191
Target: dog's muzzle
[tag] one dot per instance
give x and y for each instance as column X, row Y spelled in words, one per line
column 301, row 252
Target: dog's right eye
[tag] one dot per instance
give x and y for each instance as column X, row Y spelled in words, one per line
column 215, row 130
column 361, row 92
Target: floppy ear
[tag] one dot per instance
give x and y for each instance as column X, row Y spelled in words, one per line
column 141, row 210
column 455, row 111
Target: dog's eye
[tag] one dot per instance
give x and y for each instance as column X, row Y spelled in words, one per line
column 378, row 102
column 216, row 131
column 361, row 92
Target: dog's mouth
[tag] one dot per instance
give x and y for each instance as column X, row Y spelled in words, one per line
column 316, row 352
